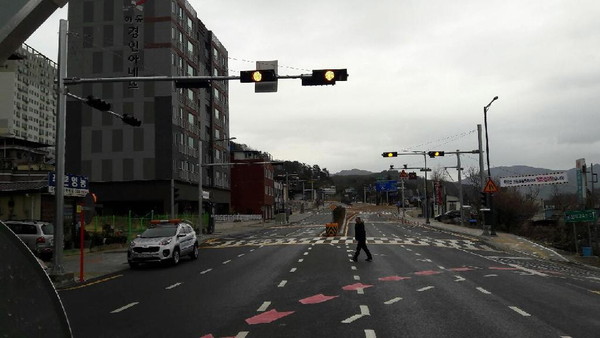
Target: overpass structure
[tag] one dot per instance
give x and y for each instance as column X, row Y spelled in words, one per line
column 19, row 19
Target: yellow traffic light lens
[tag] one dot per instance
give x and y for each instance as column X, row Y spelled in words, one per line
column 390, row 155
column 437, row 153
column 329, row 75
column 257, row 76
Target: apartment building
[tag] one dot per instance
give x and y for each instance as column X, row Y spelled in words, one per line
column 28, row 99
column 136, row 168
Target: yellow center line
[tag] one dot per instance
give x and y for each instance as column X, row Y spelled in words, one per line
column 89, row 284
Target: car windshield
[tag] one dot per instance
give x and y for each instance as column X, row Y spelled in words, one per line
column 48, row 229
column 159, row 232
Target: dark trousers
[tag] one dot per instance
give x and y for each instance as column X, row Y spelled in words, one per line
column 362, row 245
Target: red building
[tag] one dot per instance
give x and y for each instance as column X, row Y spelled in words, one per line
column 252, row 185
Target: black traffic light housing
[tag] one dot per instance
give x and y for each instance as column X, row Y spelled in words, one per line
column 130, row 120
column 324, row 77
column 97, row 103
column 483, row 197
column 390, row 154
column 436, row 153
column 175, row 193
column 260, row 75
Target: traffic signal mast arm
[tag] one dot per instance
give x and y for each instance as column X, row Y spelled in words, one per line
column 105, row 107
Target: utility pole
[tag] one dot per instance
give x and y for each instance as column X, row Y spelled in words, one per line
column 486, row 228
column 57, row 267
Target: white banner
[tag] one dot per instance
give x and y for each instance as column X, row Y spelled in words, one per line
column 516, row 181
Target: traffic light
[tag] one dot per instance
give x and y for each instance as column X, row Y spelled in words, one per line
column 192, row 83
column 262, row 75
column 175, row 193
column 324, row 77
column 97, row 103
column 390, row 154
column 433, row 154
column 130, row 120
column 483, row 197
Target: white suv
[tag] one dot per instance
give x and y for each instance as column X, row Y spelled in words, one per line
column 165, row 240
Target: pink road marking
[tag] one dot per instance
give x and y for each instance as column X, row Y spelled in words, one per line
column 461, row 269
column 356, row 286
column 501, row 268
column 320, row 298
column 208, row 336
column 267, row 317
column 427, row 273
column 392, row 278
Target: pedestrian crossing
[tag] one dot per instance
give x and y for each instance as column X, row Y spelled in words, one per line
column 464, row 244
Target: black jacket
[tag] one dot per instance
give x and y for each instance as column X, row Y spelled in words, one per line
column 359, row 231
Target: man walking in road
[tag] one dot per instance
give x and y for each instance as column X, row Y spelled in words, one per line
column 361, row 237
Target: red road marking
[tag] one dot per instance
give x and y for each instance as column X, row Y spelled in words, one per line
column 427, row 273
column 461, row 269
column 501, row 268
column 320, row 298
column 356, row 286
column 267, row 317
column 392, row 278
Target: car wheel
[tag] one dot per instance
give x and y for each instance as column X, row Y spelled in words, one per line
column 176, row 257
column 194, row 253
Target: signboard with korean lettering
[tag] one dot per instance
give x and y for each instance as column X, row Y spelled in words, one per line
column 75, row 185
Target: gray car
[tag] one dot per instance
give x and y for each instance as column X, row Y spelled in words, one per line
column 163, row 241
column 37, row 235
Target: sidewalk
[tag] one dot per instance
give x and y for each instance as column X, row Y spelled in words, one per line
column 511, row 242
column 113, row 258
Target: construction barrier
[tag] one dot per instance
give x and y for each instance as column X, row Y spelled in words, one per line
column 331, row 229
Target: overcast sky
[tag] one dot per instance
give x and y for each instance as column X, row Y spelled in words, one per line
column 420, row 73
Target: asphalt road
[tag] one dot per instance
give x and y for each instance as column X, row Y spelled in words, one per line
column 288, row 281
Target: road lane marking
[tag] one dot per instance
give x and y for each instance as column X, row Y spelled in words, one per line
column 425, row 288
column 264, row 306
column 293, row 270
column 172, row 286
column 353, row 267
column 306, row 253
column 370, row 334
column 282, row 283
column 125, row 307
column 242, row 334
column 459, row 279
column 92, row 283
column 482, row 290
column 364, row 311
column 491, row 275
column 530, row 271
column 356, row 277
column 393, row 300
column 226, row 262
column 240, row 255
column 519, row 311
column 300, row 260
column 205, row 271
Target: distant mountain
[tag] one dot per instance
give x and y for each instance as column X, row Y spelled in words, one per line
column 357, row 172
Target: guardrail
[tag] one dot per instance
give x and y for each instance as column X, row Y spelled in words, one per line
column 237, row 218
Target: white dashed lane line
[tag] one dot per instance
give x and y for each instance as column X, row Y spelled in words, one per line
column 125, row 307
column 282, row 283
column 264, row 306
column 519, row 311
column 172, row 286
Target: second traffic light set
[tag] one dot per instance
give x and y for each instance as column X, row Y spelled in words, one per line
column 431, row 154
column 319, row 77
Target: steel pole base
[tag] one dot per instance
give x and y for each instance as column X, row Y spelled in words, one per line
column 486, row 230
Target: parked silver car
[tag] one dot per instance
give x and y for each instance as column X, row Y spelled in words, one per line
column 37, row 235
column 165, row 240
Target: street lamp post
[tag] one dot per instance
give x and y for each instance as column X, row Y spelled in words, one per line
column 487, row 154
column 200, row 191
